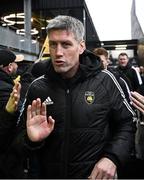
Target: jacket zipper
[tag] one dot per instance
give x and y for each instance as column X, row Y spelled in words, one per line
column 66, row 133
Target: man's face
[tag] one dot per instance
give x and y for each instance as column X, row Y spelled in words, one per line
column 65, row 51
column 104, row 60
column 123, row 60
column 12, row 68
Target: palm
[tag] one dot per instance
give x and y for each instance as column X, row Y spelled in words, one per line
column 38, row 126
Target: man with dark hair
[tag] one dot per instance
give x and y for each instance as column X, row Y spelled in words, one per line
column 104, row 57
column 128, row 72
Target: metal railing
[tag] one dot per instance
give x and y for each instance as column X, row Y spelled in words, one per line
column 10, row 39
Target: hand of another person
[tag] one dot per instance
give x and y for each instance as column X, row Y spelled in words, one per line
column 38, row 126
column 13, row 100
column 137, row 101
column 103, row 169
column 17, row 79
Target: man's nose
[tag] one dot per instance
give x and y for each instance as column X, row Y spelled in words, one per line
column 59, row 50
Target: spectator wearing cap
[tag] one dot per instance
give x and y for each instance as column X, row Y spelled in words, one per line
column 8, row 68
column 8, row 119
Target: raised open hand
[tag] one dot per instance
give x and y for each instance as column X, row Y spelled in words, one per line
column 38, row 125
column 138, row 101
column 14, row 98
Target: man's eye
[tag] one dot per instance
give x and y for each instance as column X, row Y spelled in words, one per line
column 52, row 45
column 66, row 45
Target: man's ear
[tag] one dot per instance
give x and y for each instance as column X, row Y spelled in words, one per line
column 82, row 47
column 10, row 67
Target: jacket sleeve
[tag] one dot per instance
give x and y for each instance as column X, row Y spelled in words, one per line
column 7, row 128
column 122, row 126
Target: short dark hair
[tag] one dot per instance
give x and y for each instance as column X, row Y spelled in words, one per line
column 123, row 54
column 100, row 51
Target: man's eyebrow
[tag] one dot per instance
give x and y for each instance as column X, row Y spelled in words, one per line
column 62, row 41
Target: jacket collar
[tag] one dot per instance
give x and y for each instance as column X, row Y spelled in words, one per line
column 5, row 77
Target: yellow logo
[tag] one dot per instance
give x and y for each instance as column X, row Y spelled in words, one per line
column 89, row 97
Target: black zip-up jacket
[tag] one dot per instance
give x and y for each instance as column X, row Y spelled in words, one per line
column 7, row 121
column 130, row 76
column 92, row 120
column 6, row 85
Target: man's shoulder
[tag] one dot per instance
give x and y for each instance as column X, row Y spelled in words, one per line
column 38, row 82
column 109, row 78
column 107, row 73
column 40, row 79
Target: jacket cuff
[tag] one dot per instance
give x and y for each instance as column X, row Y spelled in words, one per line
column 32, row 145
column 113, row 158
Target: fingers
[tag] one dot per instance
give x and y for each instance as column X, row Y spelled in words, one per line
column 16, row 80
column 16, row 92
column 138, row 106
column 29, row 115
column 137, row 101
column 18, row 87
column 103, row 169
column 43, row 109
column 33, row 109
column 37, row 108
column 138, row 96
column 51, row 122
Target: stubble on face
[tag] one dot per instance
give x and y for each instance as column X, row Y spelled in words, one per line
column 65, row 51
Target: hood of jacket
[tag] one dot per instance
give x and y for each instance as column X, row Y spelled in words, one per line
column 90, row 64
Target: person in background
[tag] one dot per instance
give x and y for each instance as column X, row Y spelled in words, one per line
column 9, row 103
column 8, row 70
column 137, row 98
column 138, row 102
column 128, row 72
column 104, row 57
column 140, row 62
column 78, row 123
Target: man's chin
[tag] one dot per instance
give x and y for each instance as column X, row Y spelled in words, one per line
column 59, row 70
